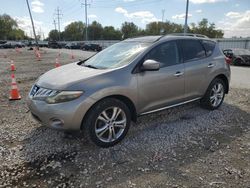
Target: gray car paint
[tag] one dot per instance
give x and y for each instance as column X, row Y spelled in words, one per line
column 148, row 90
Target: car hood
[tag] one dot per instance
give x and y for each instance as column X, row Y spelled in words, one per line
column 62, row 77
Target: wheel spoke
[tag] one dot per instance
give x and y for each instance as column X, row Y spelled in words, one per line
column 102, row 119
column 114, row 112
column 117, row 114
column 219, row 88
column 113, row 133
column 102, row 129
column 110, row 134
column 105, row 115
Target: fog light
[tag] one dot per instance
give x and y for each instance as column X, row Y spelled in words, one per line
column 56, row 123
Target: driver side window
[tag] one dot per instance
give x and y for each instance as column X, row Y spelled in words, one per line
column 166, row 54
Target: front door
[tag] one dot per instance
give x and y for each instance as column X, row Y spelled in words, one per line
column 157, row 89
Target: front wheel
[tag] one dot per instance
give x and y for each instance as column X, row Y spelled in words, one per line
column 107, row 122
column 214, row 95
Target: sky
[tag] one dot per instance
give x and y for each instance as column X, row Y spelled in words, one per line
column 232, row 16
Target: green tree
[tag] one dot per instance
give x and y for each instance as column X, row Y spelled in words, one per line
column 74, row 31
column 206, row 28
column 53, row 35
column 129, row 29
column 9, row 29
column 110, row 33
column 95, row 31
column 157, row 28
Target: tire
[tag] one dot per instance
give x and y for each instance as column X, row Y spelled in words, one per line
column 214, row 95
column 99, row 126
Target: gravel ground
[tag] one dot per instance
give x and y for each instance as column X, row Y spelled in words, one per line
column 185, row 146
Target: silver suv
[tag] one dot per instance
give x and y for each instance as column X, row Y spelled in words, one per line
column 138, row 76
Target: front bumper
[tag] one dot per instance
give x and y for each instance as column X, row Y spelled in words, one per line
column 63, row 116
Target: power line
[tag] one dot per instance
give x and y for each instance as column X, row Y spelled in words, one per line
column 58, row 14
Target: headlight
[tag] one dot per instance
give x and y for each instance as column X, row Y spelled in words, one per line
column 63, row 96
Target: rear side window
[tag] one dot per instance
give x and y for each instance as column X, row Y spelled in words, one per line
column 192, row 50
column 209, row 46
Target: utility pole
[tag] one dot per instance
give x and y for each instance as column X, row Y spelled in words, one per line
column 54, row 22
column 186, row 17
column 58, row 14
column 86, row 19
column 163, row 12
column 34, row 32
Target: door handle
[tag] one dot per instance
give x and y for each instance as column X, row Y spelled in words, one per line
column 178, row 73
column 210, row 65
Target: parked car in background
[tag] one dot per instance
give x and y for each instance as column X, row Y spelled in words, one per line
column 92, row 47
column 2, row 42
column 103, row 94
column 74, row 45
column 12, row 44
column 54, row 44
column 43, row 44
column 238, row 56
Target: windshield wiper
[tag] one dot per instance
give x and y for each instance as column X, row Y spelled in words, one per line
column 90, row 66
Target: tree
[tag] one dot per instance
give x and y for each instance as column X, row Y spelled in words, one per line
column 95, row 31
column 157, row 28
column 53, row 35
column 129, row 29
column 74, row 31
column 9, row 29
column 205, row 28
column 109, row 33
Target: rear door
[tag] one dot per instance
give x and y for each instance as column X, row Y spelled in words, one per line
column 194, row 58
column 157, row 89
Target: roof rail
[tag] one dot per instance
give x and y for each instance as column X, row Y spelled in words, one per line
column 189, row 34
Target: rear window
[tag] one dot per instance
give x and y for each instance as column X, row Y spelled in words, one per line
column 192, row 50
column 209, row 46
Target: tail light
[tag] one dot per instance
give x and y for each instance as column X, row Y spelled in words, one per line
column 228, row 60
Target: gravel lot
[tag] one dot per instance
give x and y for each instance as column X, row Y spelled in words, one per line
column 185, row 146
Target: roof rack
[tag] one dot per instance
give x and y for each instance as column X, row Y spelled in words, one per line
column 189, row 35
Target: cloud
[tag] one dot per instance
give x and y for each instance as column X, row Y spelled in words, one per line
column 181, row 16
column 144, row 16
column 236, row 24
column 206, row 1
column 198, row 11
column 92, row 16
column 129, row 0
column 233, row 15
column 121, row 10
column 24, row 23
column 37, row 6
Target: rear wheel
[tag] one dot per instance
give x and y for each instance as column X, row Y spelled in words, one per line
column 108, row 122
column 214, row 95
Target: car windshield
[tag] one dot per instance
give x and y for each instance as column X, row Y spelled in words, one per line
column 116, row 55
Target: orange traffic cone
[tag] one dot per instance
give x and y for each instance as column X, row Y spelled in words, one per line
column 38, row 56
column 57, row 63
column 14, row 93
column 12, row 66
column 72, row 55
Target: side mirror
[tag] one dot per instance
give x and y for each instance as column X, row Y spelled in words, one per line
column 150, row 65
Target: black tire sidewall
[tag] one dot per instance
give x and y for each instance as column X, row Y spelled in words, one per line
column 206, row 103
column 95, row 112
